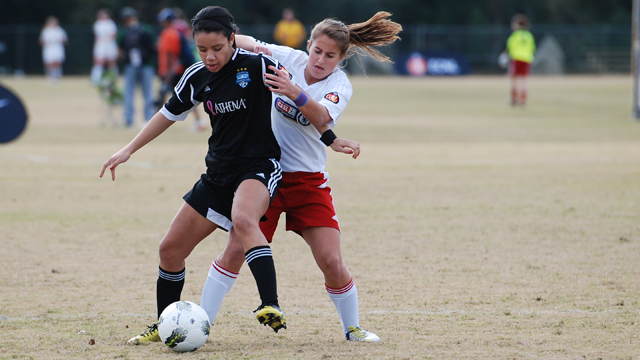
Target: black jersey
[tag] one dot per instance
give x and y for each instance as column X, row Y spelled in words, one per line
column 238, row 102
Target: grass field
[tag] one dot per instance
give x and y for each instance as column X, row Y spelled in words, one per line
column 473, row 230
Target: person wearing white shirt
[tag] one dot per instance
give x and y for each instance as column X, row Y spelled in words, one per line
column 53, row 39
column 308, row 99
column 105, row 47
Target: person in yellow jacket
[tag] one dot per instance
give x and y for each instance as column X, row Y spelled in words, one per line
column 521, row 47
column 289, row 31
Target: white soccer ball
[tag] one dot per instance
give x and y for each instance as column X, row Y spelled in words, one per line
column 503, row 60
column 184, row 326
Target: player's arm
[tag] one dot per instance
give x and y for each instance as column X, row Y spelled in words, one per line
column 344, row 146
column 156, row 126
column 280, row 83
column 250, row 44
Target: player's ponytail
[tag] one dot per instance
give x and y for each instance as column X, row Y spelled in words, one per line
column 377, row 31
column 214, row 19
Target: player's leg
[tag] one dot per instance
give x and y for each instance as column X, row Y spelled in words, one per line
column 130, row 80
column 98, row 64
column 186, row 231
column 148, row 74
column 514, row 89
column 325, row 247
column 250, row 203
column 226, row 267
column 222, row 275
column 523, row 86
column 111, row 57
column 58, row 69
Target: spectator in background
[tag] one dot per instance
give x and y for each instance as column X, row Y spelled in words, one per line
column 521, row 47
column 175, row 55
column 289, row 31
column 53, row 39
column 183, row 24
column 105, row 48
column 137, row 50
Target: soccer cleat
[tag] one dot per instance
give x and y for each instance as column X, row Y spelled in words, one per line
column 357, row 334
column 149, row 336
column 271, row 315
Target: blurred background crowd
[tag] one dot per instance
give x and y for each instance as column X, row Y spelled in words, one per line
column 573, row 36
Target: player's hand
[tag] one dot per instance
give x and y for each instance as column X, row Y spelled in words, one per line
column 262, row 49
column 346, row 146
column 281, row 83
column 115, row 160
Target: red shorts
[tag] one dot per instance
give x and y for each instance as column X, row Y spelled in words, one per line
column 519, row 68
column 306, row 200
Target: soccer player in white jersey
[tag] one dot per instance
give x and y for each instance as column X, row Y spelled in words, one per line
column 53, row 39
column 306, row 106
column 243, row 172
column 105, row 47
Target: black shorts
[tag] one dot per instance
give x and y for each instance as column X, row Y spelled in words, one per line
column 212, row 195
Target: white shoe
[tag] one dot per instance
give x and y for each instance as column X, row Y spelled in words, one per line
column 357, row 334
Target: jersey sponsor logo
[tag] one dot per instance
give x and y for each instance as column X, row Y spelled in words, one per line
column 291, row 112
column 261, row 175
column 207, row 88
column 227, row 106
column 242, row 78
column 210, row 107
column 333, row 97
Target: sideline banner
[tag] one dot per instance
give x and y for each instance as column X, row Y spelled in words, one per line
column 13, row 116
column 432, row 63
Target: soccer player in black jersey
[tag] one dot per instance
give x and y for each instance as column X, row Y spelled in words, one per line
column 243, row 170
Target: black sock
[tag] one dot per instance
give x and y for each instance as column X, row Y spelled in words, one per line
column 260, row 262
column 169, row 288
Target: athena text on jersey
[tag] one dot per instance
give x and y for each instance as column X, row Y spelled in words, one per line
column 238, row 103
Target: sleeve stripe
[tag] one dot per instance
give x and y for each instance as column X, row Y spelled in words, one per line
column 187, row 74
column 265, row 68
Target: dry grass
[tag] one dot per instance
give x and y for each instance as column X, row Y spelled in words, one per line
column 473, row 230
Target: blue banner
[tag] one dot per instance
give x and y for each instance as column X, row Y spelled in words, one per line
column 432, row 63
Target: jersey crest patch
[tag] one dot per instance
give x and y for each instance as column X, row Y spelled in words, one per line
column 333, row 97
column 291, row 112
column 242, row 78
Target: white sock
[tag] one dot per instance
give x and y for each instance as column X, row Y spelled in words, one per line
column 219, row 282
column 346, row 302
column 96, row 74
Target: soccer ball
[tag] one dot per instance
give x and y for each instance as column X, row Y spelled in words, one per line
column 503, row 60
column 183, row 326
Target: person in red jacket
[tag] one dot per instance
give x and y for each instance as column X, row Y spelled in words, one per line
column 174, row 56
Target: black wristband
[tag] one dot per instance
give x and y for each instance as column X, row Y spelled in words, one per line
column 328, row 137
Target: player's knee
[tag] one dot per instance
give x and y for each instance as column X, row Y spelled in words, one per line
column 169, row 253
column 332, row 266
column 243, row 223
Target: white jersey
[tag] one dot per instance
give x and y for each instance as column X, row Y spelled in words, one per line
column 53, row 39
column 105, row 46
column 299, row 140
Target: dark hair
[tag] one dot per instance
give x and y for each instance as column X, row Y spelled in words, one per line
column 214, row 19
column 521, row 21
column 377, row 31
